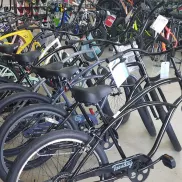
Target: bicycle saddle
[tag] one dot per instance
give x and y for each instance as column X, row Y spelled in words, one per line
column 27, row 59
column 42, row 70
column 91, row 95
column 66, row 72
column 9, row 48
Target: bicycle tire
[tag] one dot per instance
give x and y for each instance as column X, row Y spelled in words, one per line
column 50, row 138
column 4, row 80
column 107, row 109
column 14, row 119
column 8, row 89
column 25, row 96
column 15, row 86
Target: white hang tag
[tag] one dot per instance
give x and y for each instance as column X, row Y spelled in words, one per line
column 130, row 56
column 164, row 70
column 119, row 71
column 159, row 24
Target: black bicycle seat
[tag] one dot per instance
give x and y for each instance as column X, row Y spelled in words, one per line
column 66, row 72
column 28, row 58
column 42, row 70
column 91, row 95
column 9, row 48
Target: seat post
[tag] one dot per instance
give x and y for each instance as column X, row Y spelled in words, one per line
column 104, row 119
column 85, row 115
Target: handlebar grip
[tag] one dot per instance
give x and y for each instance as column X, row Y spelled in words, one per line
column 120, row 54
column 71, row 42
column 162, row 39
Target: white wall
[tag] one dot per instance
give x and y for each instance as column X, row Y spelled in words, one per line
column 6, row 2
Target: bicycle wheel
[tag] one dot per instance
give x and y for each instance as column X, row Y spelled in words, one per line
column 8, row 72
column 15, row 102
column 116, row 99
column 8, row 89
column 63, row 145
column 24, row 126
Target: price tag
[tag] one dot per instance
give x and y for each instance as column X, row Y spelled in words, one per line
column 110, row 20
column 164, row 70
column 119, row 71
column 159, row 24
column 130, row 56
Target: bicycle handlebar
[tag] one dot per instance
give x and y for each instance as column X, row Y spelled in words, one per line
column 85, row 42
column 162, row 39
column 120, row 54
column 176, row 16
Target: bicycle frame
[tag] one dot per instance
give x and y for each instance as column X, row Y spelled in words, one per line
column 25, row 35
column 167, row 34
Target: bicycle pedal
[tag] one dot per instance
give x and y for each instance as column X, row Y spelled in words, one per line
column 168, row 161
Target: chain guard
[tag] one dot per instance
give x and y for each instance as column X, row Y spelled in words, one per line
column 135, row 176
column 141, row 176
